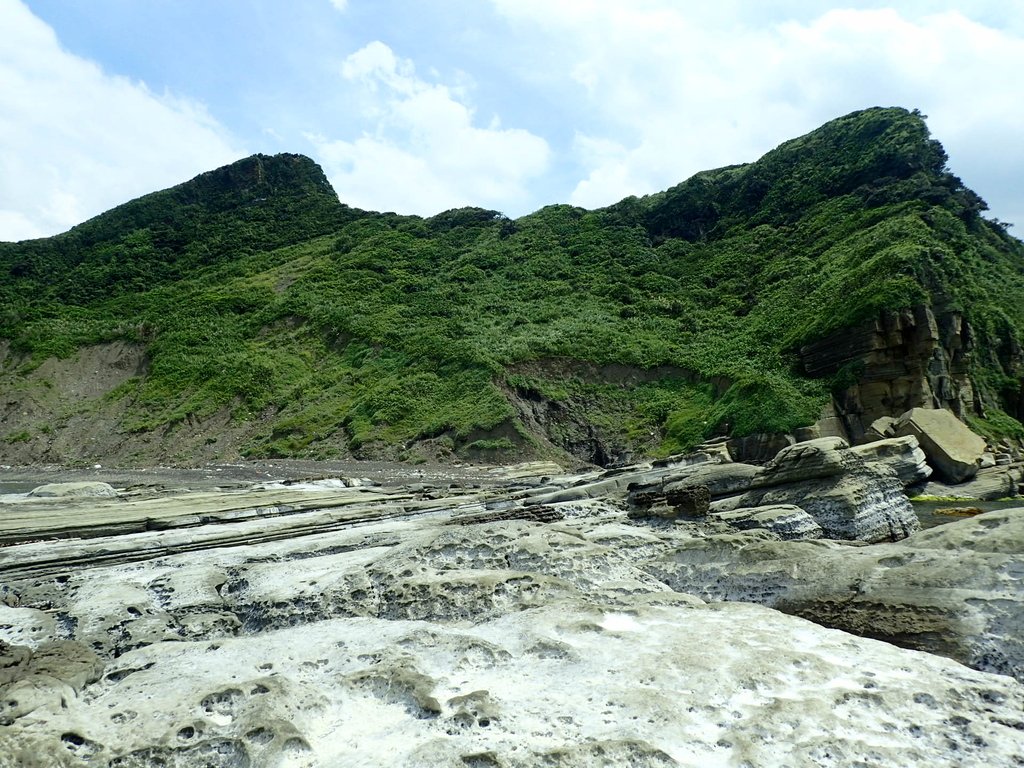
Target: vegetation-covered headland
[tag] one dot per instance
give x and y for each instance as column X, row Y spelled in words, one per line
column 846, row 275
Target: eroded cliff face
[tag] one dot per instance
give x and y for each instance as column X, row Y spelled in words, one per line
column 914, row 358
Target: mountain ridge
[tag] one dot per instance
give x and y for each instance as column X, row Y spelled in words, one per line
column 329, row 331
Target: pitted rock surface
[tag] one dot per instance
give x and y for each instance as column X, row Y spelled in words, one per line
column 955, row 590
column 413, row 627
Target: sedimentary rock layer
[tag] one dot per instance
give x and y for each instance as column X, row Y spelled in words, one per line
column 483, row 628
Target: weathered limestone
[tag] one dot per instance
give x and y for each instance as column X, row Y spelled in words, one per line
column 847, row 496
column 952, row 449
column 715, row 450
column 645, row 483
column 809, row 460
column 719, row 479
column 823, row 457
column 529, row 469
column 998, row 482
column 43, row 677
column 36, row 518
column 954, row 590
column 785, row 520
column 635, row 686
column 424, row 638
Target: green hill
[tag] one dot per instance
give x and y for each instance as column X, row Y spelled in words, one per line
column 846, row 269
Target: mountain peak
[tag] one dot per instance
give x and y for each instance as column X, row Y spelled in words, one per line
column 881, row 155
column 258, row 203
column 254, row 177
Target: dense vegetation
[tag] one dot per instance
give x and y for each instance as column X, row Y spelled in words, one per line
column 255, row 290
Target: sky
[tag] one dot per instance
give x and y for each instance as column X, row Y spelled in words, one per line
column 418, row 107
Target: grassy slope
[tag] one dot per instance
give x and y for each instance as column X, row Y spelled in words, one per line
column 254, row 289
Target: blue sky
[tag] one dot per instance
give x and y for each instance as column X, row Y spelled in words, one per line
column 509, row 104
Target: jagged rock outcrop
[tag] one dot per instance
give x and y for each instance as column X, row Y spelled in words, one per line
column 901, row 360
column 850, row 498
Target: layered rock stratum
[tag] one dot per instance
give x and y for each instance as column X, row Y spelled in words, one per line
column 515, row 619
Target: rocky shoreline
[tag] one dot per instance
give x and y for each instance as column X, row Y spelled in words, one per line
column 243, row 474
column 694, row 611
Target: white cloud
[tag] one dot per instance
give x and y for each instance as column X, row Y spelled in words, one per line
column 423, row 151
column 673, row 89
column 75, row 141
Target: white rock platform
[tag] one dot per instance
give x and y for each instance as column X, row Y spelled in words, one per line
column 459, row 628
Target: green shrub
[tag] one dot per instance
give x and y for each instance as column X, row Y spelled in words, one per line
column 258, row 294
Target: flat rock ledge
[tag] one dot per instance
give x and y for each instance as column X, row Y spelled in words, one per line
column 545, row 619
column 88, row 490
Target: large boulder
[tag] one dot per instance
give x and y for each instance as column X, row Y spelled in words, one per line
column 662, row 486
column 648, row 481
column 719, row 479
column 809, row 460
column 953, row 450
